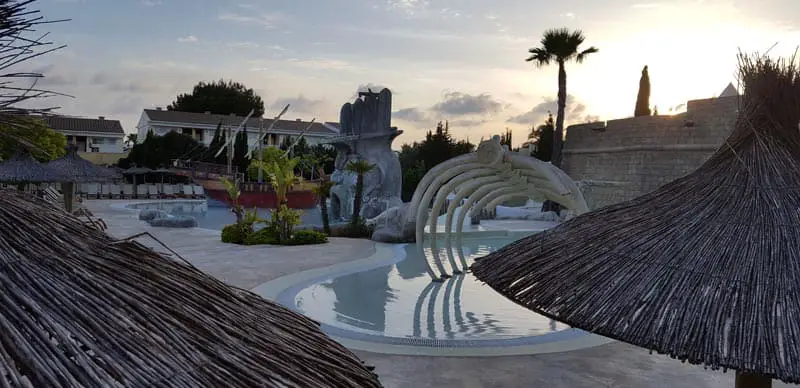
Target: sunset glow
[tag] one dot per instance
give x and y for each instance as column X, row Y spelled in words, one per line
column 429, row 53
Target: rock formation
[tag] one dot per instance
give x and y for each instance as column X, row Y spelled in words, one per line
column 366, row 133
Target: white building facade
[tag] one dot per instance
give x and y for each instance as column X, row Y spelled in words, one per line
column 202, row 126
column 90, row 135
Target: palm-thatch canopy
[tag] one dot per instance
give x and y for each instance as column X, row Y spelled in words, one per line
column 79, row 309
column 79, row 170
column 22, row 168
column 705, row 269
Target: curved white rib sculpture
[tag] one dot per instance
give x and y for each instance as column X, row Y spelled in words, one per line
column 486, row 178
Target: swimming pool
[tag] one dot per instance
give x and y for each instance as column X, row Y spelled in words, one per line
column 398, row 304
column 213, row 214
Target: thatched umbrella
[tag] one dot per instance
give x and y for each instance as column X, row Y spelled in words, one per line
column 706, row 268
column 23, row 168
column 81, row 309
column 79, row 170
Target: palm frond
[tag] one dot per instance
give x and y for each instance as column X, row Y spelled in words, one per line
column 582, row 55
column 539, row 56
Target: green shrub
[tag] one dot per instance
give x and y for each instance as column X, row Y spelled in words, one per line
column 307, row 237
column 263, row 236
column 359, row 230
column 234, row 234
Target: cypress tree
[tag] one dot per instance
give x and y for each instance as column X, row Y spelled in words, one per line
column 215, row 145
column 643, row 100
column 240, row 159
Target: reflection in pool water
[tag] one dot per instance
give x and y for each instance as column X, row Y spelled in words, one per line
column 400, row 300
column 214, row 214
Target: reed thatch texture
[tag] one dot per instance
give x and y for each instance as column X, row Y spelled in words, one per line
column 80, row 170
column 22, row 168
column 79, row 309
column 705, row 269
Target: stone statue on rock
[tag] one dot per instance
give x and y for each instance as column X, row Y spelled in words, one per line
column 366, row 133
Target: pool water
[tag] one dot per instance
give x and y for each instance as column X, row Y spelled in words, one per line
column 214, row 214
column 400, row 300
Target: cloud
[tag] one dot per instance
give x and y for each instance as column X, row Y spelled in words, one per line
column 266, row 20
column 575, row 112
column 245, row 45
column 113, row 84
column 413, row 115
column 188, row 39
column 468, row 123
column 301, row 104
column 461, row 104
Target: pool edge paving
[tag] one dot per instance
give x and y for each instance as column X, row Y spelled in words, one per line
column 284, row 289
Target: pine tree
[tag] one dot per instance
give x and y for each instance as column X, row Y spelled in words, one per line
column 643, row 99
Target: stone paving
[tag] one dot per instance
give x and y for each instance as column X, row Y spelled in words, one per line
column 611, row 365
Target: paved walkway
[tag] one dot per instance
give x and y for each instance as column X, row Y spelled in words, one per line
column 612, row 365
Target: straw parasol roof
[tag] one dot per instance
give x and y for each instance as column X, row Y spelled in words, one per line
column 706, row 268
column 80, row 170
column 79, row 309
column 137, row 171
column 22, row 168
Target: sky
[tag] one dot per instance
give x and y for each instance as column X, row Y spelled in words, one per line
column 456, row 60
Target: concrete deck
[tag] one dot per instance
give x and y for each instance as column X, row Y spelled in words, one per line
column 611, row 365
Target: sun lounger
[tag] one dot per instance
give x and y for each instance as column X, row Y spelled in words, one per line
column 198, row 191
column 152, row 191
column 127, row 190
column 115, row 190
column 141, row 191
column 92, row 190
column 81, row 189
column 167, row 191
column 105, row 191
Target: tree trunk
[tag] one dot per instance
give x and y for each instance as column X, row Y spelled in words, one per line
column 357, row 200
column 558, row 133
column 323, row 207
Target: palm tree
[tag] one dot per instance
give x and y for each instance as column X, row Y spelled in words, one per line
column 281, row 176
column 560, row 45
column 233, row 193
column 359, row 167
column 132, row 139
column 322, row 191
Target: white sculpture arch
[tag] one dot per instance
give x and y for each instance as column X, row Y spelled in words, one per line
column 483, row 179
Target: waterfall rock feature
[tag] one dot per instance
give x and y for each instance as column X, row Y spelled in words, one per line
column 366, row 134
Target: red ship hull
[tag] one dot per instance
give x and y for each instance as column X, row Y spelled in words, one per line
column 267, row 200
column 252, row 194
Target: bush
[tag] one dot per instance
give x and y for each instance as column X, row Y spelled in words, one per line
column 360, row 230
column 174, row 222
column 148, row 214
column 263, row 236
column 308, row 237
column 234, row 234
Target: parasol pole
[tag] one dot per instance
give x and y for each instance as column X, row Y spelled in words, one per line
column 749, row 380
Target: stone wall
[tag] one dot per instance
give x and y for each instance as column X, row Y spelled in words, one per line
column 622, row 159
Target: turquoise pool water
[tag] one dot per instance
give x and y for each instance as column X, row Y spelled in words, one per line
column 399, row 300
column 215, row 215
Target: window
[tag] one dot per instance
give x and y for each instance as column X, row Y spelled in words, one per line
column 98, row 140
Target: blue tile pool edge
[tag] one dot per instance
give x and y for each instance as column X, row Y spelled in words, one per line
column 286, row 297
